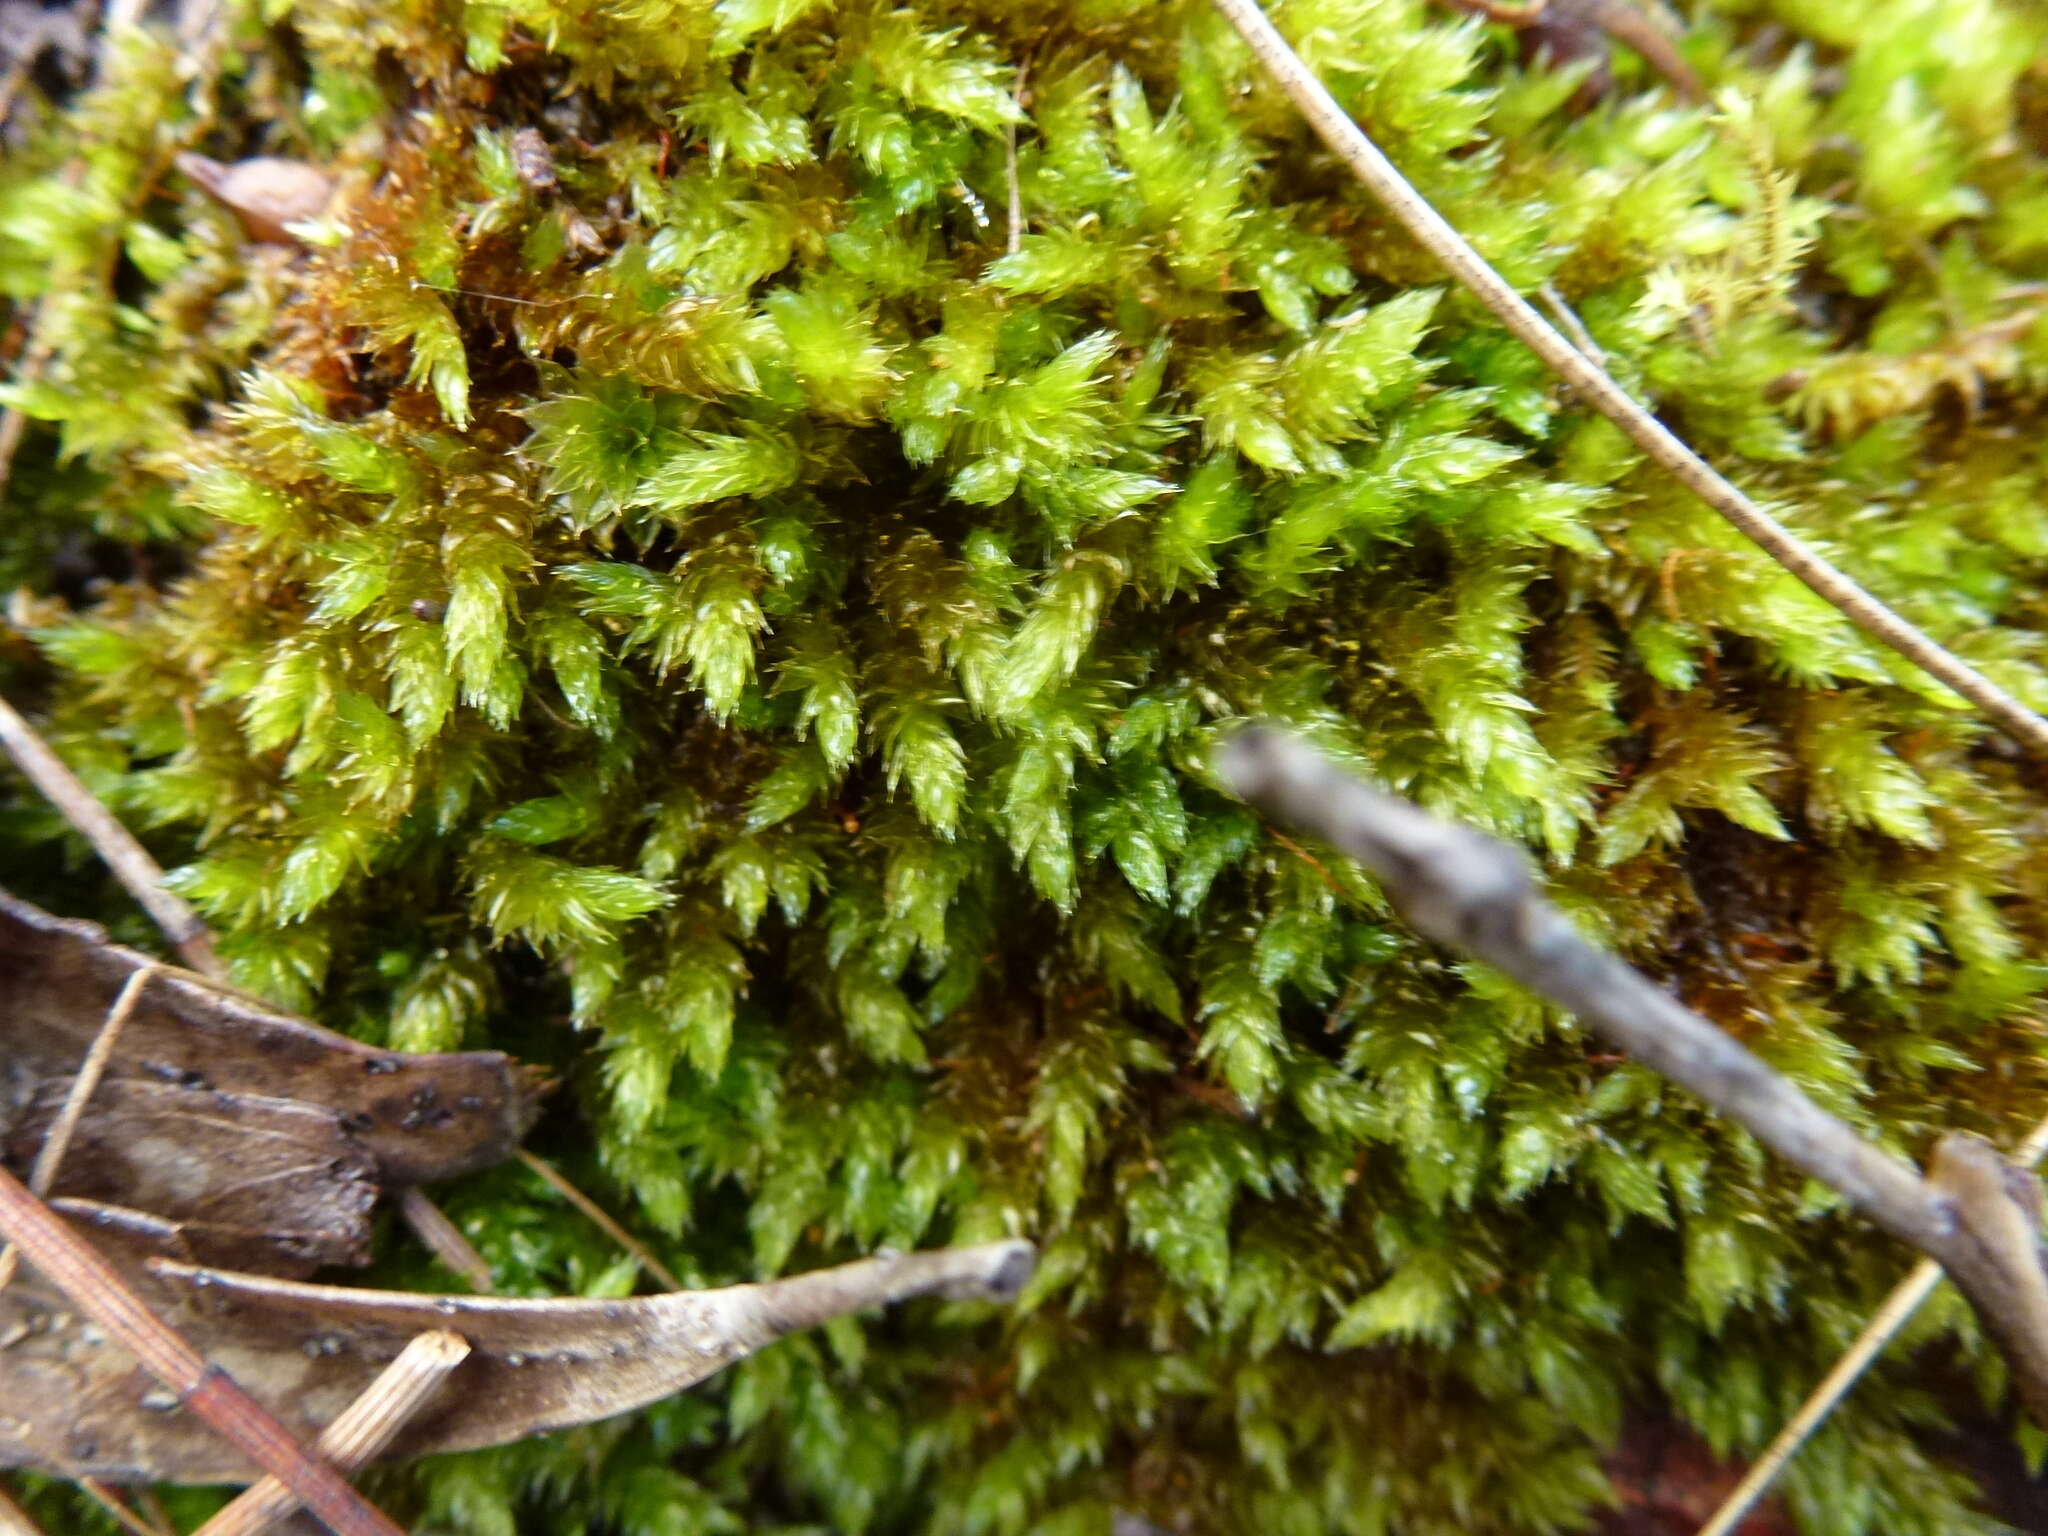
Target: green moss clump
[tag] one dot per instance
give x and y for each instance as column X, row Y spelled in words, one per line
column 721, row 609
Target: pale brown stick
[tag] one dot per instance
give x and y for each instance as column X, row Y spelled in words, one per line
column 1434, row 233
column 115, row 844
column 1884, row 1325
column 359, row 1433
column 96, row 1288
column 50, row 1156
column 430, row 1224
column 1474, row 894
column 554, row 1179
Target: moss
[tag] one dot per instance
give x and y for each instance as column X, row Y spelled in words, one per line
column 666, row 584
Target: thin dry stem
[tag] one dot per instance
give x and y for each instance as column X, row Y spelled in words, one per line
column 430, row 1224
column 1474, row 894
column 1884, row 1325
column 1379, row 177
column 50, row 1156
column 115, row 844
column 359, row 1433
column 554, row 1179
column 116, row 1506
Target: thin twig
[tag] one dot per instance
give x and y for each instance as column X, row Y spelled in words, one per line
column 430, row 1224
column 116, row 1506
column 97, row 1290
column 1434, row 233
column 1884, row 1325
column 1569, row 322
column 50, row 1156
column 554, row 1179
column 360, row 1432
column 1474, row 894
column 115, row 844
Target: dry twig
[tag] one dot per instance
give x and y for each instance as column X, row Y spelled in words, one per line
column 443, row 1239
column 555, row 1180
column 93, row 1285
column 1434, row 233
column 1474, row 894
column 115, row 844
column 359, row 1433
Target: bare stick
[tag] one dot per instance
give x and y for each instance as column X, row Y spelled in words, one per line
column 1884, row 1325
column 359, row 1433
column 50, row 1156
column 1384, row 182
column 97, row 1290
column 552, row 1177
column 1474, row 894
column 114, row 843
column 430, row 1224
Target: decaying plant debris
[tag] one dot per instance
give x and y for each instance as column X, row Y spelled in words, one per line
column 226, row 1131
column 413, row 1118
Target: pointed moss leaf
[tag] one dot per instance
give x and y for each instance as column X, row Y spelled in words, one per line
column 1056, row 261
column 1241, row 1028
column 314, row 870
column 878, row 1018
column 943, row 72
column 919, row 748
column 1210, row 511
column 545, row 900
column 1048, row 647
column 546, row 820
column 712, row 467
column 1420, row 1301
column 792, row 784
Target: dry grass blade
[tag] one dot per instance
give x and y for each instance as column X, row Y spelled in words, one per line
column 93, row 1285
column 1598, row 388
column 1884, row 1325
column 358, row 1435
column 553, row 1178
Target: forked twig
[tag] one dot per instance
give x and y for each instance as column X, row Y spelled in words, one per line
column 50, row 1156
column 553, row 1177
column 115, row 844
column 359, row 1433
column 93, row 1285
column 1884, row 1325
column 1474, row 894
column 1435, row 234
